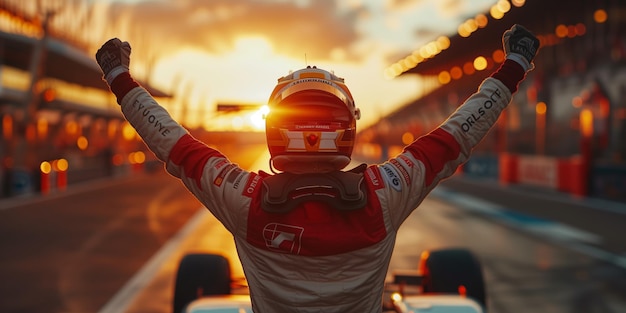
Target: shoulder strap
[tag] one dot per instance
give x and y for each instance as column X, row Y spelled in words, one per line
column 283, row 192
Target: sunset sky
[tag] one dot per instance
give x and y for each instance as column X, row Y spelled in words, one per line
column 234, row 50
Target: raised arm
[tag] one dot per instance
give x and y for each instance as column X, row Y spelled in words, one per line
column 153, row 123
column 437, row 155
column 196, row 164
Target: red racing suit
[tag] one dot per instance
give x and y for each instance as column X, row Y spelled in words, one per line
column 315, row 258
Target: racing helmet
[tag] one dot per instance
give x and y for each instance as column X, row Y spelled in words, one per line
column 311, row 124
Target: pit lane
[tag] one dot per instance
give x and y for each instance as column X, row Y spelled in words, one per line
column 114, row 247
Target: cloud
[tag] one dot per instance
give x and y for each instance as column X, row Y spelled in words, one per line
column 402, row 4
column 316, row 28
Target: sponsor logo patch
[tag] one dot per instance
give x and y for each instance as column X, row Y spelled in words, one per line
column 283, row 238
column 391, row 176
column 405, row 174
column 220, row 177
column 237, row 181
column 251, row 185
column 233, row 175
column 486, row 106
column 221, row 163
column 406, row 160
column 374, row 178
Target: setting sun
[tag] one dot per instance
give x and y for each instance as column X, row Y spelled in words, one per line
column 258, row 117
column 234, row 53
column 247, row 74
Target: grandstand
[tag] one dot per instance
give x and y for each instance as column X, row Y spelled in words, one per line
column 566, row 126
column 56, row 109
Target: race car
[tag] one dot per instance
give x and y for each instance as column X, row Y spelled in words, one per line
column 446, row 281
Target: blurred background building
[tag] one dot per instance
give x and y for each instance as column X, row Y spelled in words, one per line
column 566, row 128
column 60, row 123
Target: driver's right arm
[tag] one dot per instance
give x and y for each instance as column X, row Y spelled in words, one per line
column 195, row 163
column 200, row 167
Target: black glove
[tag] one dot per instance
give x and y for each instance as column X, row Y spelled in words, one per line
column 113, row 58
column 520, row 45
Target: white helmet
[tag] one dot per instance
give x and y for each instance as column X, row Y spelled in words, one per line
column 311, row 125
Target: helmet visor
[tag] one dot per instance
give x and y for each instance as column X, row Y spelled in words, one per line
column 310, row 108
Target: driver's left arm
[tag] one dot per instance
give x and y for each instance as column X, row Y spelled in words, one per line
column 438, row 154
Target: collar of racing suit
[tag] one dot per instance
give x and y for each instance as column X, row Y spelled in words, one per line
column 341, row 190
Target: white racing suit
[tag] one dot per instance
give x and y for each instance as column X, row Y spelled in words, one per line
column 316, row 258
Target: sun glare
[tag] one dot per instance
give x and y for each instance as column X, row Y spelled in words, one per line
column 258, row 118
column 246, row 74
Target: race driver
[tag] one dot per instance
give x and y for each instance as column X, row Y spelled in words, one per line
column 311, row 236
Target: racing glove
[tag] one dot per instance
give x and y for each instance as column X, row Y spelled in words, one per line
column 520, row 45
column 113, row 58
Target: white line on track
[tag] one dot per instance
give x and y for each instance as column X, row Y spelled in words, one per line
column 566, row 236
column 125, row 296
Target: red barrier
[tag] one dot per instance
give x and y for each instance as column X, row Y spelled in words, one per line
column 564, row 170
column 572, row 173
column 45, row 168
column 573, row 176
column 45, row 182
column 53, row 175
column 508, row 168
column 62, row 180
column 580, row 176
